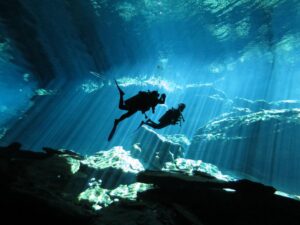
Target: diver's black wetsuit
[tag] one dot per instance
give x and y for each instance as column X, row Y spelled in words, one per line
column 171, row 117
column 143, row 102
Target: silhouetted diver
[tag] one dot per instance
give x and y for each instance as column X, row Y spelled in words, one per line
column 171, row 117
column 143, row 102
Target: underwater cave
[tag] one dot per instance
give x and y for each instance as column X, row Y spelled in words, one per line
column 161, row 112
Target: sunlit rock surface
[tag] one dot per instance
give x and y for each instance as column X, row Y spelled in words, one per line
column 257, row 144
column 193, row 167
column 153, row 149
column 113, row 167
column 179, row 139
column 100, row 197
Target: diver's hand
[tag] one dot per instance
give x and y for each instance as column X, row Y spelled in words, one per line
column 182, row 118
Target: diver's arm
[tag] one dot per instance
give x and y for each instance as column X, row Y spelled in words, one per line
column 153, row 109
column 143, row 112
column 182, row 117
column 162, row 99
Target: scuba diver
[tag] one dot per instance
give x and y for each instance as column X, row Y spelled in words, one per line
column 171, row 117
column 143, row 101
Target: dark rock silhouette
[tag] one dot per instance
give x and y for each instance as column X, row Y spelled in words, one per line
column 53, row 185
column 200, row 199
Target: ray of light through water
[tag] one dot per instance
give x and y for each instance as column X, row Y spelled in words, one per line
column 226, row 60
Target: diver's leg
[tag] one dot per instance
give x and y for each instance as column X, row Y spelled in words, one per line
column 158, row 125
column 126, row 115
column 150, row 122
column 117, row 121
column 154, row 125
column 122, row 106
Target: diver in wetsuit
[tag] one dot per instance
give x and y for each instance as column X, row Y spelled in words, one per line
column 143, row 102
column 171, row 117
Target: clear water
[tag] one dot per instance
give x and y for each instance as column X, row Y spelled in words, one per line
column 57, row 72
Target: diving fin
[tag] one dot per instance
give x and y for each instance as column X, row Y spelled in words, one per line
column 120, row 90
column 113, row 131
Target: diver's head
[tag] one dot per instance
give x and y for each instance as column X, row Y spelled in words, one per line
column 181, row 107
column 163, row 96
column 162, row 99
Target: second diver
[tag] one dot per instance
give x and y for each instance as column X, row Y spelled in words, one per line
column 171, row 117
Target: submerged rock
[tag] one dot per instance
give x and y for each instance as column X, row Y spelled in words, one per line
column 59, row 188
column 51, row 151
column 286, row 104
column 259, row 105
column 113, row 167
column 193, row 167
column 179, row 139
column 63, row 175
column 40, row 183
column 100, row 197
column 254, row 106
column 263, row 145
column 154, row 150
column 198, row 199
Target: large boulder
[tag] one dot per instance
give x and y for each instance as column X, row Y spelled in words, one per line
column 154, row 150
column 263, row 145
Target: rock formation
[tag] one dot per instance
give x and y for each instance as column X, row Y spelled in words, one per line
column 154, row 150
column 61, row 186
column 260, row 142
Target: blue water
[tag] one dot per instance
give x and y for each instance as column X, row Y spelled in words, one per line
column 57, row 72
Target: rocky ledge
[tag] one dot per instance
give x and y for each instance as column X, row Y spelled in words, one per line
column 264, row 145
